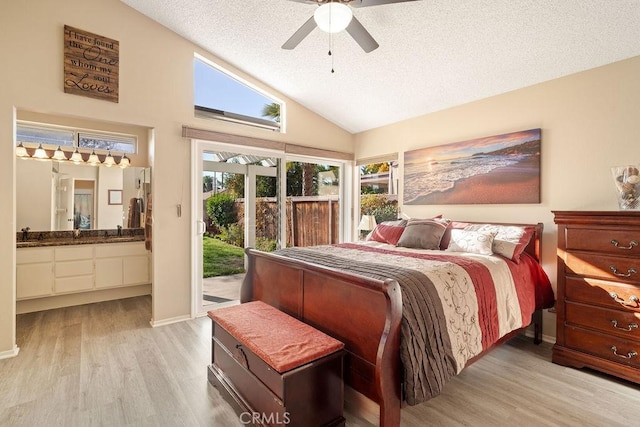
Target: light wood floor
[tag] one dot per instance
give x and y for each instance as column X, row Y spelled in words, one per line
column 103, row 365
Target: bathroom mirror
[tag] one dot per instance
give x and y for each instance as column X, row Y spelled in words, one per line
column 55, row 196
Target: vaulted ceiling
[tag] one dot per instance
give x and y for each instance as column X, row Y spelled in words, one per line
column 433, row 54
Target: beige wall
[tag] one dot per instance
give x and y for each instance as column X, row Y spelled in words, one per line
column 590, row 122
column 156, row 92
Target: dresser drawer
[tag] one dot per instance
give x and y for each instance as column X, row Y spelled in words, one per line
column 624, row 324
column 603, row 293
column 603, row 266
column 612, row 348
column 619, row 241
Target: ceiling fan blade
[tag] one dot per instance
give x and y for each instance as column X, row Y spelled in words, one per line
column 362, row 36
column 300, row 34
column 367, row 3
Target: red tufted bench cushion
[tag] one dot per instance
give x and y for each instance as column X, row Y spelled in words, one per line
column 280, row 340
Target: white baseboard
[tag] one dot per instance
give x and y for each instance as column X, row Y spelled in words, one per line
column 163, row 322
column 10, row 353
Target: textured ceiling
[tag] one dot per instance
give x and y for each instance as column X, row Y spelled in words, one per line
column 433, row 54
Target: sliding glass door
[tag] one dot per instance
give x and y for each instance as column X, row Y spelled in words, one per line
column 236, row 205
column 246, row 197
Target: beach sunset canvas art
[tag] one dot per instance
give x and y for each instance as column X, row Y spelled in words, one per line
column 499, row 169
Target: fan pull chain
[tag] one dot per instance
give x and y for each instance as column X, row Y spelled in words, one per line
column 330, row 49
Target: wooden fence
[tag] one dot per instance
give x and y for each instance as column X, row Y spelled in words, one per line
column 311, row 220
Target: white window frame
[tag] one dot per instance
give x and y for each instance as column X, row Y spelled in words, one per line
column 211, row 113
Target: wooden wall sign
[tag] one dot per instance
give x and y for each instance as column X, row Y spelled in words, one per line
column 91, row 64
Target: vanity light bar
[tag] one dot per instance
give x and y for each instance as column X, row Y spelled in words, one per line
column 76, row 157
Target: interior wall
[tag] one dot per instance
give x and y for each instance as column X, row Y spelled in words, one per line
column 589, row 123
column 156, row 93
column 110, row 214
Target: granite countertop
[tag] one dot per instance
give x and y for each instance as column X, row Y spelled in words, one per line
column 36, row 239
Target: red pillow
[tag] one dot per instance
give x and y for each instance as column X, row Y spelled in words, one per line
column 387, row 234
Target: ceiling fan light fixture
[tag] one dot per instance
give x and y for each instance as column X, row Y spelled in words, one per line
column 333, row 17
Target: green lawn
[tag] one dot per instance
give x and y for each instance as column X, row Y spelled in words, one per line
column 221, row 259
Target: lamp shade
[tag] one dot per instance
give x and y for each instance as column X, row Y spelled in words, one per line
column 21, row 151
column 76, row 157
column 333, row 17
column 367, row 223
column 124, row 161
column 109, row 160
column 40, row 154
column 59, row 154
column 94, row 160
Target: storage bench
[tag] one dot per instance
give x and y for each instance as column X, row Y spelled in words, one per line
column 275, row 369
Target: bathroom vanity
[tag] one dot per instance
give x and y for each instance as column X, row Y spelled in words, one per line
column 58, row 269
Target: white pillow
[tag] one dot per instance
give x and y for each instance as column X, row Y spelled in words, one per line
column 476, row 242
column 510, row 240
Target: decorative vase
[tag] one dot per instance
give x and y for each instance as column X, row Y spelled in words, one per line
column 627, row 181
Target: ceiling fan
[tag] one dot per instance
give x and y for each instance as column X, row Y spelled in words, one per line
column 333, row 16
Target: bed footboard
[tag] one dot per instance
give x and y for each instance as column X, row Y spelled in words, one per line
column 363, row 313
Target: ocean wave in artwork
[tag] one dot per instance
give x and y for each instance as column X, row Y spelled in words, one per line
column 422, row 179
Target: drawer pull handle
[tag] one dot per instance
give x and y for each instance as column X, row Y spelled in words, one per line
column 629, row 328
column 634, row 299
column 630, row 272
column 631, row 244
column 629, row 355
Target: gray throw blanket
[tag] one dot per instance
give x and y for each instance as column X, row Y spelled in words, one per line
column 425, row 350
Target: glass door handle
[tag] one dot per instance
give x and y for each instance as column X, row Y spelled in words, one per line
column 202, row 227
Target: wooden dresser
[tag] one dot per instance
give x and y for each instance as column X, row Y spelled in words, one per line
column 598, row 295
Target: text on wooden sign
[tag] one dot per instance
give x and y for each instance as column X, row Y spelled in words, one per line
column 91, row 64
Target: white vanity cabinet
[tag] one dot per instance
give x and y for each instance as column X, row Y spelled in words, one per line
column 121, row 264
column 34, row 272
column 59, row 270
column 73, row 268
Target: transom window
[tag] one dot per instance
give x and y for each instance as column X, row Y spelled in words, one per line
column 50, row 137
column 109, row 142
column 45, row 135
column 218, row 94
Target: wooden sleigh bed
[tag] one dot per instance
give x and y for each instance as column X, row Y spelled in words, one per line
column 363, row 312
